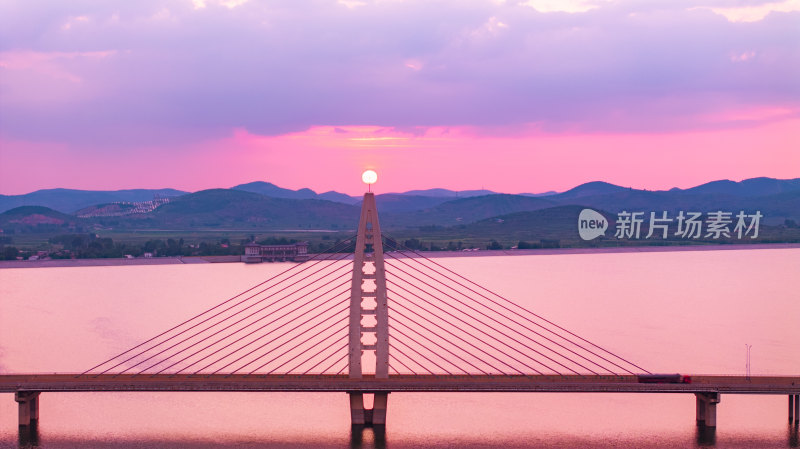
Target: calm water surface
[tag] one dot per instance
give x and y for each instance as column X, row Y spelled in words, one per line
column 689, row 312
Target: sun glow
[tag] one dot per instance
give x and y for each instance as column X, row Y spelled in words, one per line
column 369, row 177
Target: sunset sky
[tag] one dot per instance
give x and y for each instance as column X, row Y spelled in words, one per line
column 511, row 96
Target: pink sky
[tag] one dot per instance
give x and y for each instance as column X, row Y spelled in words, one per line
column 324, row 159
column 511, row 97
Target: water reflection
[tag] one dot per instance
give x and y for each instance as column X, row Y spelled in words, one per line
column 76, row 325
column 29, row 435
column 706, row 436
column 362, row 437
column 368, row 437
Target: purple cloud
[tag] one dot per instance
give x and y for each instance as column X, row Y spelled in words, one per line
column 100, row 73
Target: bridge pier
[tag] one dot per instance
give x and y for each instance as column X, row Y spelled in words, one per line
column 794, row 408
column 707, row 408
column 361, row 416
column 28, row 407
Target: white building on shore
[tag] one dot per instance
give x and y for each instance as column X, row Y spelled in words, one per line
column 295, row 252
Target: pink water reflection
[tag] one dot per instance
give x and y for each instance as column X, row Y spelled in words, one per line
column 688, row 312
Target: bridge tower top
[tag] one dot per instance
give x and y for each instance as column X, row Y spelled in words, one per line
column 369, row 311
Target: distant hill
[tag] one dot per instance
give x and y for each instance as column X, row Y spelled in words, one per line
column 445, row 193
column 548, row 193
column 748, row 188
column 69, row 200
column 559, row 225
column 262, row 204
column 237, row 209
column 25, row 219
column 554, row 223
column 775, row 208
column 107, row 209
column 466, row 210
column 271, row 190
column 593, row 188
column 338, row 197
column 612, row 198
column 400, row 202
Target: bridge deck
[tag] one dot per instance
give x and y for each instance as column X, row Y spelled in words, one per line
column 417, row 383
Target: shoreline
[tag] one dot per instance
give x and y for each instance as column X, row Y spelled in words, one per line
column 117, row 262
column 609, row 250
column 57, row 263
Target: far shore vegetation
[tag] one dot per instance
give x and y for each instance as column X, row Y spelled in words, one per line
column 220, row 222
column 148, row 243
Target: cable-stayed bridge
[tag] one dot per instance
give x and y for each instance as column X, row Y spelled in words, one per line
column 373, row 317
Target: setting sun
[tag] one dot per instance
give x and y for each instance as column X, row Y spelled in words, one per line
column 369, row 177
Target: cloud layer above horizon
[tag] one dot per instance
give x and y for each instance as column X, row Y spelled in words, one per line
column 118, row 76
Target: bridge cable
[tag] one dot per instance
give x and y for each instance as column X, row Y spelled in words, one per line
column 236, row 331
column 429, row 350
column 346, row 344
column 491, row 337
column 515, row 340
column 522, row 325
column 453, row 334
column 527, row 328
column 439, row 326
column 340, row 244
column 346, row 365
column 499, row 322
column 392, row 357
column 337, row 361
column 392, row 328
column 439, row 336
column 264, row 334
column 487, row 334
column 218, row 322
column 337, row 331
column 243, row 328
column 535, row 332
column 397, row 244
column 391, row 346
column 275, row 339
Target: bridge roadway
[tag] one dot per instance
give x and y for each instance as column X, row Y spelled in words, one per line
column 707, row 389
column 11, row 383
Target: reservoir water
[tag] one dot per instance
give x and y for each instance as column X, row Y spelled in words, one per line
column 673, row 312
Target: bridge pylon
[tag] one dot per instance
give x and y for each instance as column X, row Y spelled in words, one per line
column 369, row 314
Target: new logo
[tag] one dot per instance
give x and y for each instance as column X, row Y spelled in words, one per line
column 591, row 224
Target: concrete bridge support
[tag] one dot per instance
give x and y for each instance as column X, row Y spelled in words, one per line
column 794, row 408
column 28, row 407
column 707, row 408
column 361, row 416
column 368, row 301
